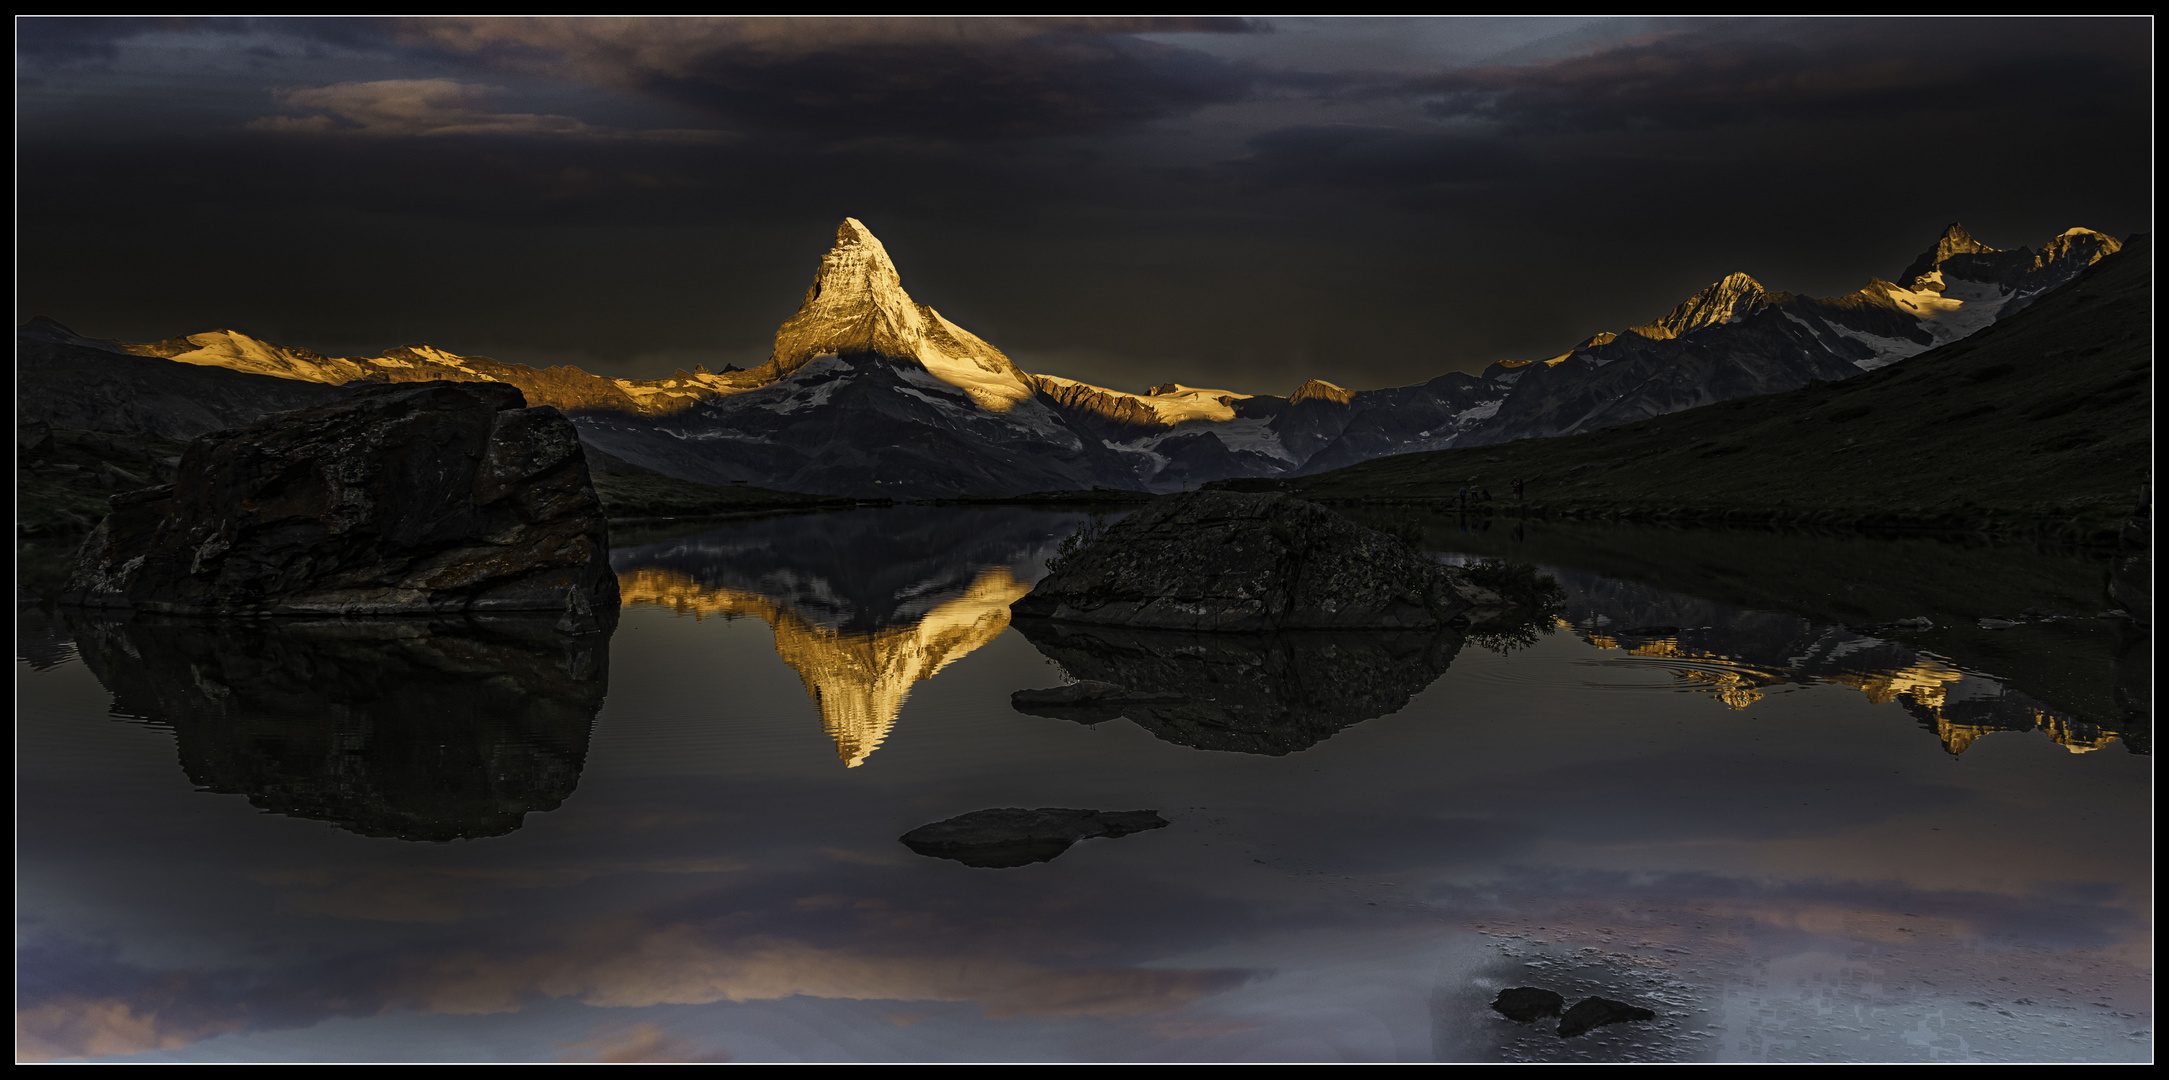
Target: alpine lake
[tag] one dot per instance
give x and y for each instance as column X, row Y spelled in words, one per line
column 1805, row 797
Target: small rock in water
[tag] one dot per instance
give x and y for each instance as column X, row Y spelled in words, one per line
column 1918, row 622
column 1011, row 836
column 1593, row 1012
column 1526, row 1003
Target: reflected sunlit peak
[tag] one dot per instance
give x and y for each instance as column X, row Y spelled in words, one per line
column 858, row 679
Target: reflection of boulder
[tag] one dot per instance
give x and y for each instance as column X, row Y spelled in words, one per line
column 1012, row 836
column 418, row 499
column 406, row 728
column 1225, row 561
column 1089, row 702
column 1251, row 693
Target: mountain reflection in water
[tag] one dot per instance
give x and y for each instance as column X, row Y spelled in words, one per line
column 858, row 678
column 1250, row 693
column 388, row 727
column 1739, row 656
column 1724, row 810
column 860, row 631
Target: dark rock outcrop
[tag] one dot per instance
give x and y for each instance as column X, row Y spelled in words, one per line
column 1011, row 836
column 2131, row 574
column 428, row 498
column 1228, row 561
column 409, row 729
column 1526, row 1003
column 1594, row 1012
column 1268, row 694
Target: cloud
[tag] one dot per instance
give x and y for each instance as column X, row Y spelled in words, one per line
column 1745, row 71
column 1359, row 156
column 621, row 1044
column 76, row 1027
column 411, row 108
column 631, row 966
column 966, row 79
column 74, row 40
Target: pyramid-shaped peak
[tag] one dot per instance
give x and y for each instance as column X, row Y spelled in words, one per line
column 1725, row 300
column 857, row 306
column 857, row 263
column 1955, row 240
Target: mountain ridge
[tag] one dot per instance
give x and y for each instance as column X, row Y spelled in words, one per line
column 931, row 410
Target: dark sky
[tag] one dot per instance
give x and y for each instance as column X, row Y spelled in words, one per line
column 1240, row 204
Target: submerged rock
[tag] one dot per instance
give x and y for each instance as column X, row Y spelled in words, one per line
column 1230, row 561
column 1011, row 836
column 1593, row 1012
column 422, row 498
column 1526, row 1003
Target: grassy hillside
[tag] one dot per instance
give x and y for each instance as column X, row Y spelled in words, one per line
column 2040, row 424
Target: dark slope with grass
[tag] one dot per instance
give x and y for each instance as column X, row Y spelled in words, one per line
column 2039, row 424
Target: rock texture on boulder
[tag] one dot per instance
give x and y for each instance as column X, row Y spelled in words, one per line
column 1526, row 1003
column 1594, row 1012
column 1012, row 836
column 1230, row 561
column 427, row 498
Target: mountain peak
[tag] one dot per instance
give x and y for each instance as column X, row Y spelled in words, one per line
column 1955, row 240
column 2083, row 245
column 1728, row 298
column 1321, row 390
column 857, row 305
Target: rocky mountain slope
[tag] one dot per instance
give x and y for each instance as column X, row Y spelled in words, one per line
column 2042, row 423
column 869, row 393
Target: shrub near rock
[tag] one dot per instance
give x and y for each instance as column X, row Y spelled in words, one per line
column 409, row 499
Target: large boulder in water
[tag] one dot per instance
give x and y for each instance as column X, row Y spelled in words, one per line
column 1230, row 561
column 422, row 498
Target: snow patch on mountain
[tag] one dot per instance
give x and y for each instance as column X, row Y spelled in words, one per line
column 1175, row 403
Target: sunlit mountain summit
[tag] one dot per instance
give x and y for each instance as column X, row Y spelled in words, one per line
column 858, row 307
column 868, row 392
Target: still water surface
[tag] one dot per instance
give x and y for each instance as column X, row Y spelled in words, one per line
column 1792, row 834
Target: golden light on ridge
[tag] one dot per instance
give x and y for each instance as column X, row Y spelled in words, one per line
column 858, row 679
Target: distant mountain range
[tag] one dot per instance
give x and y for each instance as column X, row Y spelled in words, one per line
column 870, row 393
